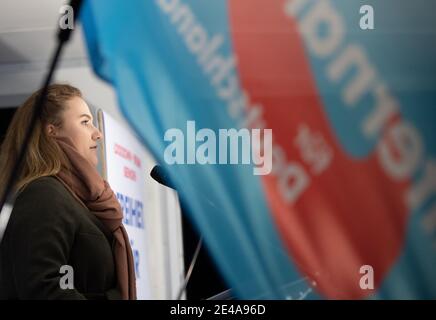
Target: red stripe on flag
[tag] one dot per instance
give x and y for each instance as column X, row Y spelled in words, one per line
column 351, row 214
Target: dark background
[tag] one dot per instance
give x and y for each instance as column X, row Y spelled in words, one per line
column 6, row 115
column 205, row 280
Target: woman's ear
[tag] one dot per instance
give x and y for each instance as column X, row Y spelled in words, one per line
column 50, row 130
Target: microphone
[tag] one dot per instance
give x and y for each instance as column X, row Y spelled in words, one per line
column 159, row 174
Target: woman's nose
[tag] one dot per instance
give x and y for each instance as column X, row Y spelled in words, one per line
column 97, row 134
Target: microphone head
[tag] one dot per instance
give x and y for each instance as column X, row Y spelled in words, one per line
column 159, row 174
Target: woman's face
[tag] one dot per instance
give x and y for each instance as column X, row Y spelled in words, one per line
column 77, row 123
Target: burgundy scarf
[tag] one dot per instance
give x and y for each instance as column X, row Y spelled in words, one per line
column 87, row 185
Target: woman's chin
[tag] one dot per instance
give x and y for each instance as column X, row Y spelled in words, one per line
column 93, row 161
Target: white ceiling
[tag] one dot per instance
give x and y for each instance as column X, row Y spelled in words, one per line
column 28, row 31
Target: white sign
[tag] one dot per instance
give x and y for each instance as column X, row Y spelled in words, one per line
column 124, row 167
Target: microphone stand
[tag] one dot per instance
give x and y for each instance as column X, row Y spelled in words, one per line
column 8, row 197
column 159, row 174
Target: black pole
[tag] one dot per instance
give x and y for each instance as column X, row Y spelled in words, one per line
column 8, row 197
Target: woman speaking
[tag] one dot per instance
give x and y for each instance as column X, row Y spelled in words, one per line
column 66, row 220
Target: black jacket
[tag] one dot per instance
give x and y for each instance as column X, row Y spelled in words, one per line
column 49, row 228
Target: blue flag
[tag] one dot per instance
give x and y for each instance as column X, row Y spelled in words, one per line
column 300, row 134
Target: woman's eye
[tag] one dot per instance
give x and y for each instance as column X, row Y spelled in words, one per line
column 85, row 122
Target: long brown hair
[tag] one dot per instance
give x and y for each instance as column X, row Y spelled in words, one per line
column 43, row 157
